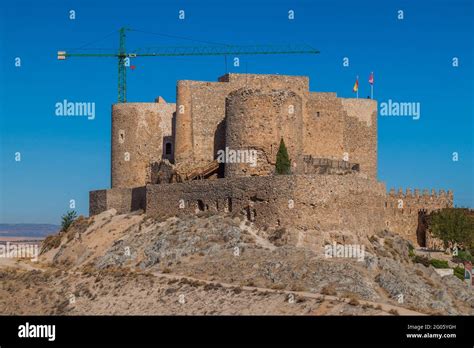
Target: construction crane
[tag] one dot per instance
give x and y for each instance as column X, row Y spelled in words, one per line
column 223, row 50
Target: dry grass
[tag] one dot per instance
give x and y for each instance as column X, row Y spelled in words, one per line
column 393, row 312
column 353, row 298
column 51, row 242
column 329, row 290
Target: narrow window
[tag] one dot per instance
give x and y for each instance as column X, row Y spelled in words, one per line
column 168, row 149
column 201, row 205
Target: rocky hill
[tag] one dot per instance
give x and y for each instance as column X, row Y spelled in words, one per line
column 220, row 264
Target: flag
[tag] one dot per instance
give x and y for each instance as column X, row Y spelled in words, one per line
column 132, row 67
column 356, row 85
column 371, row 78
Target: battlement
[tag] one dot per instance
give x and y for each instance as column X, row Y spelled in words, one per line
column 257, row 79
column 405, row 209
column 417, row 193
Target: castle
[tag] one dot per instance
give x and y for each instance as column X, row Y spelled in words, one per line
column 165, row 159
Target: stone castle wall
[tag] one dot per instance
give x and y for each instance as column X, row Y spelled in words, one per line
column 403, row 210
column 340, row 128
column 208, row 116
column 304, row 202
column 312, row 204
column 201, row 112
column 199, row 122
column 331, row 141
column 324, row 126
column 124, row 200
column 360, row 133
column 139, row 134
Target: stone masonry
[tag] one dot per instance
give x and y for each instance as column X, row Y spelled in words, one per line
column 331, row 141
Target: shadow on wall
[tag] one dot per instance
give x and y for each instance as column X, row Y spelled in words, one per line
column 422, row 228
column 219, row 144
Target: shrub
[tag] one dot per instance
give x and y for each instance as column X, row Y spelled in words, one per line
column 353, row 299
column 411, row 250
column 283, row 162
column 67, row 219
column 459, row 272
column 373, row 238
column 463, row 255
column 237, row 290
column 354, row 302
column 452, row 226
column 439, row 263
column 50, row 242
column 421, row 259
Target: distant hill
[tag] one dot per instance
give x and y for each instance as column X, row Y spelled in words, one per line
column 27, row 230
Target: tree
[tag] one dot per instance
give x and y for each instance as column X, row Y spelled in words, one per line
column 283, row 162
column 67, row 219
column 452, row 226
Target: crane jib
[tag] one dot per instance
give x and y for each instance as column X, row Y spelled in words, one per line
column 220, row 50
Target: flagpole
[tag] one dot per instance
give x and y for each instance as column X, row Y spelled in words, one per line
column 357, row 92
column 371, row 81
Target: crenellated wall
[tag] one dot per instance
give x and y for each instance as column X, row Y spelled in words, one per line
column 404, row 211
column 315, row 203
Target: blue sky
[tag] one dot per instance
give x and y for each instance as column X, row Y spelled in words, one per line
column 64, row 157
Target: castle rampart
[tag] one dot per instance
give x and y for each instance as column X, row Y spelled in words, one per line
column 331, row 141
column 304, row 202
column 405, row 209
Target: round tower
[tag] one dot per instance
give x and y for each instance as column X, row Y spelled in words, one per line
column 137, row 140
column 256, row 121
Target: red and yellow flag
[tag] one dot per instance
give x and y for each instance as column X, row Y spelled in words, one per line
column 356, row 85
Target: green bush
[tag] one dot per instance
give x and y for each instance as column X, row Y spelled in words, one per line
column 439, row 263
column 452, row 226
column 283, row 162
column 421, row 259
column 463, row 255
column 459, row 272
column 67, row 219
